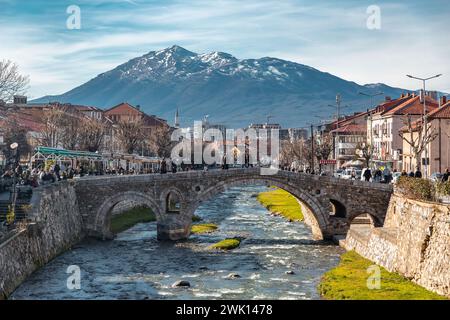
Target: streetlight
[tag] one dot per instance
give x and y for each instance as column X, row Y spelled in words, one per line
column 14, row 152
column 425, row 129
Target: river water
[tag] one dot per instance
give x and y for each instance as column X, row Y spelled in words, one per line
column 136, row 266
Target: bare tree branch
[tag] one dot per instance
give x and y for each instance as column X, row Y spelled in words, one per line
column 11, row 81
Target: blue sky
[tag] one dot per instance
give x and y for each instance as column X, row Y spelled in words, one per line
column 329, row 35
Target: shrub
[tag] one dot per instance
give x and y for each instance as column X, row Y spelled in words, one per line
column 416, row 188
column 443, row 188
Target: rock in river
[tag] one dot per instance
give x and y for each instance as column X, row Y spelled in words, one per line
column 181, row 284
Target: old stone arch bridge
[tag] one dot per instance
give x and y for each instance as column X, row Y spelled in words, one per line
column 329, row 204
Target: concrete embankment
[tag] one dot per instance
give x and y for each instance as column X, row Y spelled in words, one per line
column 56, row 227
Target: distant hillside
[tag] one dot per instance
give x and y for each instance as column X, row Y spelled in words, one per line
column 231, row 91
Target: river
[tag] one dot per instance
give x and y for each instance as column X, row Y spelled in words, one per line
column 136, row 266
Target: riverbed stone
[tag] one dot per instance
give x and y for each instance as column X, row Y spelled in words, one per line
column 181, row 284
column 233, row 276
column 290, row 272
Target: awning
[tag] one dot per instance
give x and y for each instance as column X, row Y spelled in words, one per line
column 45, row 153
column 353, row 163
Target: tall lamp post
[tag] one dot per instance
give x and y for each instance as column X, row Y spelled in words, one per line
column 14, row 155
column 425, row 129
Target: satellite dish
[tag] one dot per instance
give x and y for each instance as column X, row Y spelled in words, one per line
column 14, row 145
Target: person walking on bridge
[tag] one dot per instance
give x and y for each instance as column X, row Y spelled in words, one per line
column 446, row 175
column 367, row 175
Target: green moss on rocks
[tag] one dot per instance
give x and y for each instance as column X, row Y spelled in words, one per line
column 203, row 228
column 281, row 202
column 227, row 244
column 127, row 219
column 348, row 281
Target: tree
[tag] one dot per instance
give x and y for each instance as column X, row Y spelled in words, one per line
column 294, row 151
column 131, row 135
column 11, row 81
column 324, row 148
column 365, row 151
column 160, row 141
column 51, row 131
column 13, row 132
column 70, row 127
column 92, row 134
column 419, row 143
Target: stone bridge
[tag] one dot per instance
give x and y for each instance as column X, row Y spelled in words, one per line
column 329, row 204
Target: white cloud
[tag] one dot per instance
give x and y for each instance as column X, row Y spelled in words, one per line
column 328, row 36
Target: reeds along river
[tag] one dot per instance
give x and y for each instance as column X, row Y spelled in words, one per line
column 136, row 266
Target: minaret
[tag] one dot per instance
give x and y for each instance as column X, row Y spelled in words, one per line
column 177, row 119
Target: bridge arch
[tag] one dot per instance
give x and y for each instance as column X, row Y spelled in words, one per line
column 101, row 223
column 316, row 211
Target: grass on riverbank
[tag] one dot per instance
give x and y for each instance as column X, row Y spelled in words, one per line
column 348, row 281
column 227, row 244
column 281, row 202
column 126, row 220
column 203, row 228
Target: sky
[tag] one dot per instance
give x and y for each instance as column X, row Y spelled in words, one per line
column 333, row 36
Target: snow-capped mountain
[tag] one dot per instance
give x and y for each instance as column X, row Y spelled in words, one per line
column 231, row 91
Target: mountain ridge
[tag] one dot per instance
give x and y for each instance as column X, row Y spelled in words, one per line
column 232, row 91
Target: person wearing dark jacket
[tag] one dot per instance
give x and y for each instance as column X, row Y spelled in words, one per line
column 418, row 174
column 163, row 166
column 446, row 175
column 367, row 174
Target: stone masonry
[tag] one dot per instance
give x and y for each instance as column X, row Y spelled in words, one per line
column 98, row 197
column 414, row 241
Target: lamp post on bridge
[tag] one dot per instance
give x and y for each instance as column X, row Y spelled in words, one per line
column 13, row 196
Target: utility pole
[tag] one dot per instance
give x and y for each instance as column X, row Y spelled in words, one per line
column 425, row 125
column 312, row 147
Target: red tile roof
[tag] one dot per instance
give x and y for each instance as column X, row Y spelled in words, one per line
column 388, row 105
column 351, row 128
column 440, row 113
column 24, row 120
column 413, row 106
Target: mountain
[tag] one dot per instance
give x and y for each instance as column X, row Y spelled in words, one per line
column 231, row 91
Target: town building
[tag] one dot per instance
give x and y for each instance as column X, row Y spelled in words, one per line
column 385, row 122
column 125, row 112
column 438, row 150
column 351, row 132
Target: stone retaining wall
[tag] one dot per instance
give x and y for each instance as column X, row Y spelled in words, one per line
column 414, row 241
column 57, row 226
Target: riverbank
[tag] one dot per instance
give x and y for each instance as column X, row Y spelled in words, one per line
column 349, row 281
column 283, row 203
column 129, row 218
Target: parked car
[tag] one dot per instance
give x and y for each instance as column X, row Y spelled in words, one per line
column 436, row 176
column 395, row 177
column 338, row 173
